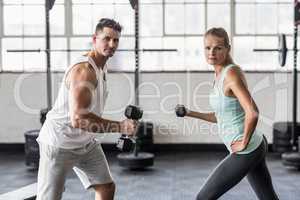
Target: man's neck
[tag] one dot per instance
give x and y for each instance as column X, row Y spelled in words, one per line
column 99, row 60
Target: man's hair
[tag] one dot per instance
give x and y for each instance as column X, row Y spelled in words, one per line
column 110, row 23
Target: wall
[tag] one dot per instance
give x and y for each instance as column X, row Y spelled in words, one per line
column 23, row 95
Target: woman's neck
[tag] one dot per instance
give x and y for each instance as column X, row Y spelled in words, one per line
column 219, row 68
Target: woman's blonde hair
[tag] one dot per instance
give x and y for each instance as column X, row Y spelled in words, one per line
column 221, row 33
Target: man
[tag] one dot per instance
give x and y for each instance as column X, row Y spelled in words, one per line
column 67, row 138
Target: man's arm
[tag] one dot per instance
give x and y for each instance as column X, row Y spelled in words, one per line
column 82, row 82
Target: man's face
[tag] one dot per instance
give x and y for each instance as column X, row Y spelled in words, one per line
column 106, row 41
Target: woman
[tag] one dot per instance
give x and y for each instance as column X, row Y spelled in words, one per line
column 236, row 114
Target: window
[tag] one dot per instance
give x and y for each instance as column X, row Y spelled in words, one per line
column 257, row 25
column 164, row 24
column 184, row 19
column 24, row 28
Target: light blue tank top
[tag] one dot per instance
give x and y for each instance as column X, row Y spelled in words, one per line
column 230, row 116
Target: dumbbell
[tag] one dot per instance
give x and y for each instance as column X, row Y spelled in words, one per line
column 126, row 143
column 136, row 159
column 180, row 110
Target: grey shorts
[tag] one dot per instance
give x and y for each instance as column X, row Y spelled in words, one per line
column 89, row 163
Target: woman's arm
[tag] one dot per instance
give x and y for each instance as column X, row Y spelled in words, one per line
column 236, row 82
column 210, row 117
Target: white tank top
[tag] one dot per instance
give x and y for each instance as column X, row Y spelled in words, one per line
column 57, row 130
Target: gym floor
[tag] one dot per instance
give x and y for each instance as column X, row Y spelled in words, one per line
column 176, row 175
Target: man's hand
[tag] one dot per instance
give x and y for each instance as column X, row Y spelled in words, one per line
column 128, row 127
column 238, row 145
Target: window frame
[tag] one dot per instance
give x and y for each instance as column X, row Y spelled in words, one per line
column 68, row 26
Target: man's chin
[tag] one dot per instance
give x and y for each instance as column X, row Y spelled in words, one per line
column 108, row 55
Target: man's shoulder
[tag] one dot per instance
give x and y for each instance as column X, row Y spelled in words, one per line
column 82, row 72
column 84, row 67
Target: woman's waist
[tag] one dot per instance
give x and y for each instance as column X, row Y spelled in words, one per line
column 254, row 142
column 230, row 122
column 230, row 114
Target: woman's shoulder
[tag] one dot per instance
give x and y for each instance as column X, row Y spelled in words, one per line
column 234, row 70
column 235, row 74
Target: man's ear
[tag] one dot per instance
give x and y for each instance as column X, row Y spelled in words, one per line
column 94, row 37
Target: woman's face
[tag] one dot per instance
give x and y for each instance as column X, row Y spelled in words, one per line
column 215, row 51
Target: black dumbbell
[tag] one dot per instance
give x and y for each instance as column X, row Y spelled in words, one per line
column 126, row 143
column 133, row 112
column 180, row 110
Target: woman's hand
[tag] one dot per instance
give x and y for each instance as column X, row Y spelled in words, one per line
column 238, row 145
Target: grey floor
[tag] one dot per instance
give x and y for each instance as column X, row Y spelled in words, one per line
column 175, row 176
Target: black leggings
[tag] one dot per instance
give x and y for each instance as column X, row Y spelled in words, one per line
column 234, row 168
